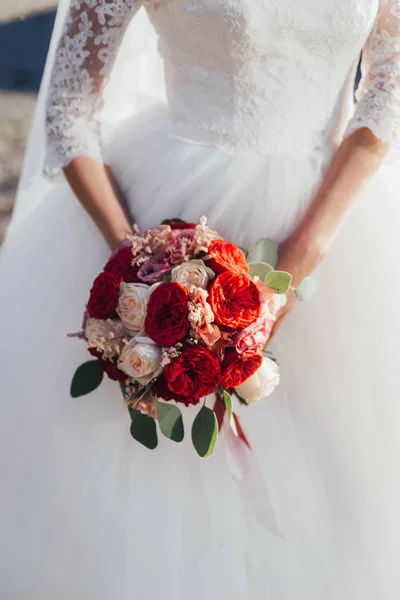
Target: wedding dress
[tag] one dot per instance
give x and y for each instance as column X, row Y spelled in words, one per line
column 236, row 116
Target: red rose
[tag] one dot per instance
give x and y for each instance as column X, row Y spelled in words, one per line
column 235, row 300
column 181, row 225
column 225, row 256
column 162, row 391
column 104, row 296
column 167, row 319
column 237, row 368
column 121, row 266
column 109, row 367
column 194, row 374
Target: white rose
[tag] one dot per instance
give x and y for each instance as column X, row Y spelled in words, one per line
column 141, row 360
column 132, row 305
column 193, row 272
column 262, row 383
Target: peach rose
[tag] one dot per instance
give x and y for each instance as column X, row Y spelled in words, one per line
column 141, row 360
column 192, row 273
column 132, row 305
column 202, row 317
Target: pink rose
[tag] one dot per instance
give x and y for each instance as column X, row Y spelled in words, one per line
column 179, row 234
column 202, row 317
column 161, row 232
column 181, row 247
column 255, row 336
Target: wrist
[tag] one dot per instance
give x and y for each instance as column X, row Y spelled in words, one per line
column 306, row 244
column 115, row 239
column 300, row 254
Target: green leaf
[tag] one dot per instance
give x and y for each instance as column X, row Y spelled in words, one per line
column 87, row 378
column 228, row 404
column 143, row 429
column 260, row 270
column 306, row 289
column 170, row 421
column 279, row 281
column 263, row 251
column 205, row 432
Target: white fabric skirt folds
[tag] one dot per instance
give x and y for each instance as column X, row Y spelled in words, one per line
column 89, row 514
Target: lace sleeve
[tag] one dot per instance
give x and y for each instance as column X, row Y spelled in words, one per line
column 378, row 106
column 91, row 36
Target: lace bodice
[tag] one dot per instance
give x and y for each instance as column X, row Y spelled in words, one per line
column 267, row 75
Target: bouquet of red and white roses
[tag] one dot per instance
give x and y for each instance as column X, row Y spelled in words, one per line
column 177, row 316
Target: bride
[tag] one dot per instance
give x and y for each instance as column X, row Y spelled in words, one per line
column 241, row 110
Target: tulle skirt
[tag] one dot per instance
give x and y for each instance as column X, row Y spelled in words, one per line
column 312, row 512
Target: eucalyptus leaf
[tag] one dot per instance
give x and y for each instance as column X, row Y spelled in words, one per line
column 143, row 429
column 205, row 432
column 228, row 404
column 170, row 421
column 87, row 378
column 260, row 270
column 306, row 289
column 279, row 281
column 264, row 251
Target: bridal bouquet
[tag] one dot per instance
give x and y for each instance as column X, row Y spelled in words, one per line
column 179, row 316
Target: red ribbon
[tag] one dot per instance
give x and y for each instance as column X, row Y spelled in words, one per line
column 220, row 410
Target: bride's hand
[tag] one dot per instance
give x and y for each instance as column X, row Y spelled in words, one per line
column 357, row 159
column 299, row 255
column 96, row 189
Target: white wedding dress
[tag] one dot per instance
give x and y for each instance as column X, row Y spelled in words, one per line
column 257, row 96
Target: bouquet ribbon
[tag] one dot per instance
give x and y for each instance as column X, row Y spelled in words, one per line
column 246, row 472
column 220, row 410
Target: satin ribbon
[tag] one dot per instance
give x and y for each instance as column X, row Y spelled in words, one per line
column 246, row 472
column 220, row 410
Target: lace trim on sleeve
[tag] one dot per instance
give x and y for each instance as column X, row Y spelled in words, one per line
column 92, row 34
column 378, row 106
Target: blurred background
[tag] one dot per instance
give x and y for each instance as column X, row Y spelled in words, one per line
column 25, row 31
